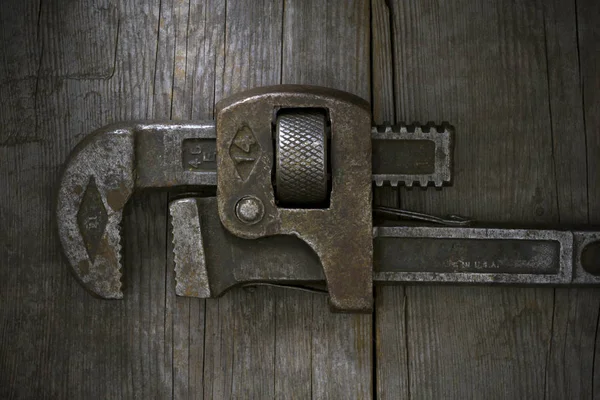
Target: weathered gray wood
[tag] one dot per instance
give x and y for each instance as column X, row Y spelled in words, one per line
column 391, row 353
column 382, row 76
column 516, row 79
column 24, row 323
column 20, row 52
column 588, row 15
column 80, row 347
column 505, row 75
column 565, row 103
column 391, row 344
column 571, row 358
column 588, row 29
column 570, row 363
column 80, row 39
column 382, row 62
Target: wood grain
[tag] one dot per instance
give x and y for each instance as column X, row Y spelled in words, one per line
column 571, row 359
column 588, row 14
column 506, row 75
column 21, row 55
column 81, row 50
column 588, row 37
column 382, row 77
column 520, row 80
column 391, row 345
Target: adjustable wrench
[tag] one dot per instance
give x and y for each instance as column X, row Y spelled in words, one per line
column 281, row 188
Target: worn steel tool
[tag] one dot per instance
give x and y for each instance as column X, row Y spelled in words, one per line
column 281, row 189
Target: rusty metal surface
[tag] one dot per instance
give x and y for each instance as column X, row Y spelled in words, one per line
column 413, row 154
column 229, row 260
column 95, row 186
column 99, row 178
column 402, row 254
column 339, row 234
column 473, row 255
column 188, row 250
column 426, row 254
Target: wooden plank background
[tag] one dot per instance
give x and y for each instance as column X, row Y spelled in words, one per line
column 519, row 79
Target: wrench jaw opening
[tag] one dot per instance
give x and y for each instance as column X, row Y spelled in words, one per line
column 96, row 183
column 102, row 173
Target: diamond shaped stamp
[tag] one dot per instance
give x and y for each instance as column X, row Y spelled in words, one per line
column 92, row 218
column 244, row 151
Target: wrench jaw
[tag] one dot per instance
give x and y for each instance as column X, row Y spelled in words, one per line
column 339, row 233
column 96, row 183
column 102, row 173
column 209, row 260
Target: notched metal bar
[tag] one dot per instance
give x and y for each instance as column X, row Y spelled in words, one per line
column 412, row 154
